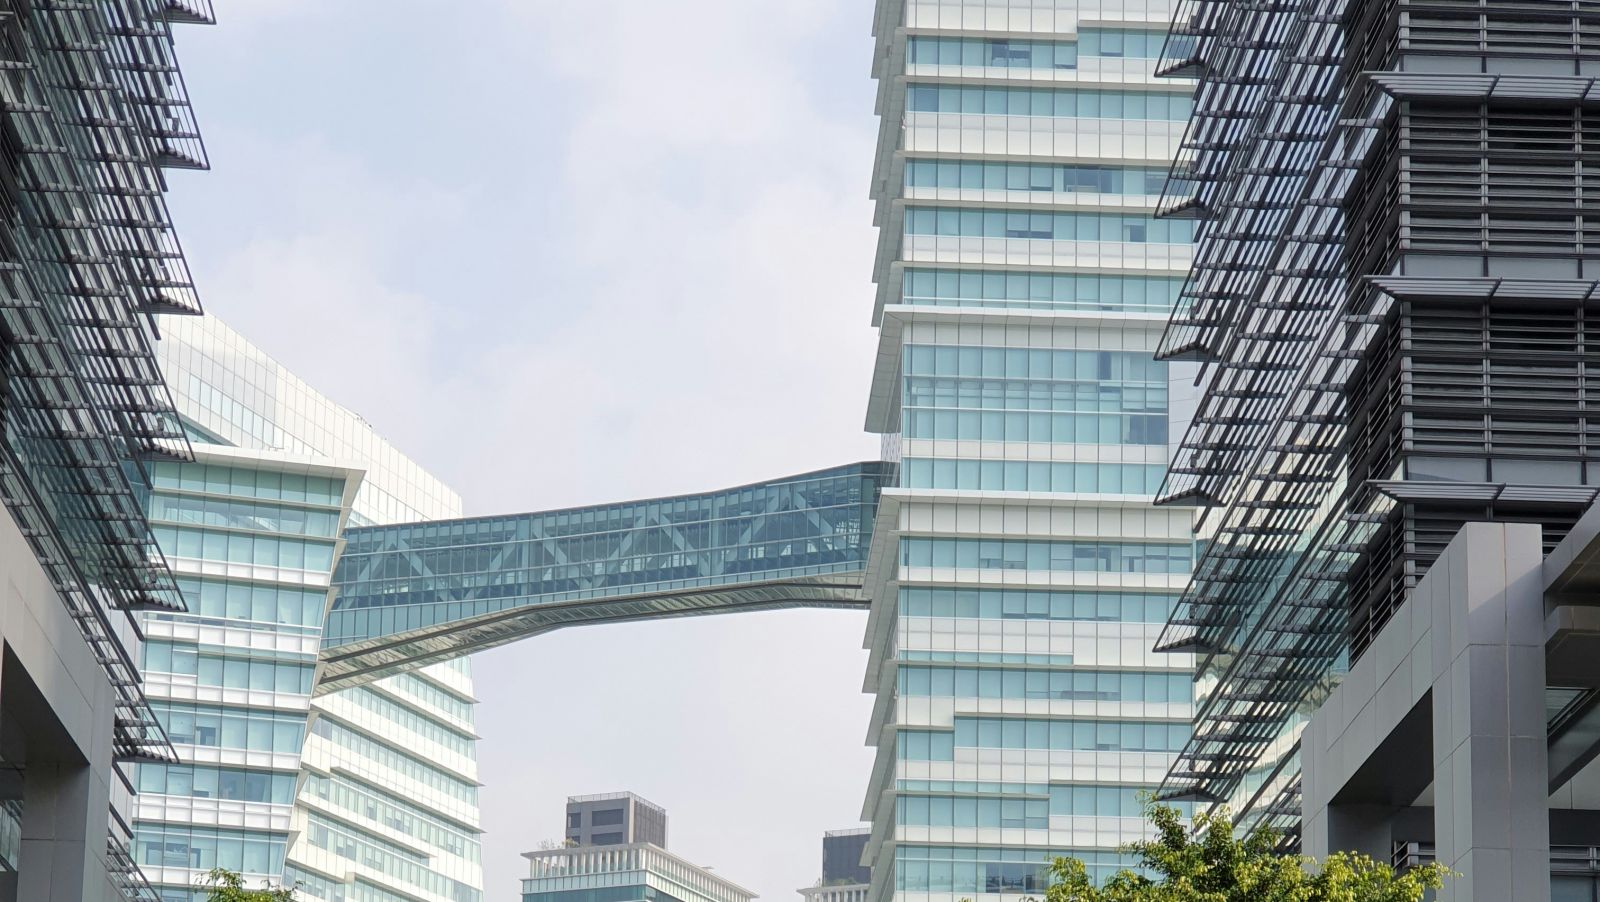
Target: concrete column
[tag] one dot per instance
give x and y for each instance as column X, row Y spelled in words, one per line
column 62, row 839
column 1459, row 670
column 1359, row 828
column 1491, row 781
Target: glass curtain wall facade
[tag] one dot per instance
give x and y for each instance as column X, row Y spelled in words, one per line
column 413, row 593
column 1019, row 573
column 386, row 808
column 251, row 537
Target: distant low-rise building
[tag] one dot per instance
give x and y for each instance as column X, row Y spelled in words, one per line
column 634, row 872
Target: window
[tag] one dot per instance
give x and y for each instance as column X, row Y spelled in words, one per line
column 606, row 817
column 606, row 839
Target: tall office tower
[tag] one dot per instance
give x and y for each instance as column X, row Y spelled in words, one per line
column 1019, row 573
column 387, row 805
column 1394, row 301
column 615, row 818
column 634, row 872
column 93, row 111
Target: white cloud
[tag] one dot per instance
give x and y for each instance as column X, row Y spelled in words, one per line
column 669, row 293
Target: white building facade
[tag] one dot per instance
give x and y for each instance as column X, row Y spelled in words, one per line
column 382, row 794
column 1020, row 575
column 630, row 872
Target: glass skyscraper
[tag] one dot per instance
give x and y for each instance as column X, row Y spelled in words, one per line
column 1019, row 574
column 380, row 802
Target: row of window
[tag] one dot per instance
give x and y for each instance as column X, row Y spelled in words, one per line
column 393, row 813
column 1075, row 685
column 1030, row 554
column 390, row 860
column 257, row 515
column 979, row 870
column 751, row 501
column 633, row 553
column 971, row 787
column 320, row 887
column 1064, row 225
column 1079, row 735
column 204, row 848
column 1031, row 476
column 989, row 54
column 231, row 728
column 1058, row 428
column 402, row 851
column 394, row 759
column 1039, row 291
column 244, row 548
column 247, row 482
column 1025, row 733
column 1036, row 395
column 1077, row 800
column 947, row 656
column 229, row 783
column 949, row 811
column 1021, row 604
column 228, row 671
column 1080, row 103
column 410, row 719
column 1085, row 396
column 1056, row 178
column 1061, row 736
column 1041, row 364
column 237, row 601
column 433, row 695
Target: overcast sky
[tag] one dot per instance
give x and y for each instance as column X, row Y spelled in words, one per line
column 567, row 252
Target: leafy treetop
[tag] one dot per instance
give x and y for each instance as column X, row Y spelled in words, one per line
column 1205, row 862
column 223, row 885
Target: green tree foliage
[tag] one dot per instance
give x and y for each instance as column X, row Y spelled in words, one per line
column 223, row 885
column 1205, row 862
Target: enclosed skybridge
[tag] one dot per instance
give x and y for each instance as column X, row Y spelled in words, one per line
column 417, row 593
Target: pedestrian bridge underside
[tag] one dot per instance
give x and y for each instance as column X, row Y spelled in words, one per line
column 417, row 593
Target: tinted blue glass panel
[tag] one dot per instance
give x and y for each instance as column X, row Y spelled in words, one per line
column 1025, row 554
column 1067, row 685
column 1024, row 604
column 1032, row 476
column 424, row 591
column 1054, row 102
column 1039, row 291
column 1055, row 178
column 981, row 870
column 988, row 54
column 966, row 222
column 1034, row 395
